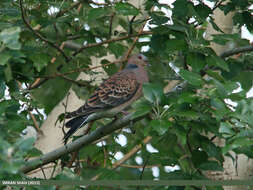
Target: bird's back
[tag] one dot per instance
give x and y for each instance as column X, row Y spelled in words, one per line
column 113, row 92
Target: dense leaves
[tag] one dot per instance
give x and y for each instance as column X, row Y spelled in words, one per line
column 183, row 123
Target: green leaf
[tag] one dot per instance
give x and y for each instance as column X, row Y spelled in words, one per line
column 244, row 150
column 39, row 60
column 158, row 18
column 5, row 57
column 161, row 126
column 211, row 166
column 25, row 144
column 215, row 75
column 8, row 73
column 226, row 128
column 126, row 9
column 153, row 92
column 117, row 49
column 34, row 152
column 158, row 43
column 180, row 8
column 10, row 37
column 196, row 60
column 199, row 157
column 237, row 143
column 210, row 148
column 82, row 92
column 218, row 104
column 188, row 114
column 187, row 97
column 2, row 89
column 217, row 61
column 203, row 11
column 109, row 69
column 176, row 45
column 141, row 107
column 193, row 78
column 246, row 79
column 96, row 13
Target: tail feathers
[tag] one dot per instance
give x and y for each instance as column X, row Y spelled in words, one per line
column 83, row 110
column 74, row 125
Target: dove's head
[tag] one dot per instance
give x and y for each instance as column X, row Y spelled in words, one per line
column 137, row 61
column 136, row 64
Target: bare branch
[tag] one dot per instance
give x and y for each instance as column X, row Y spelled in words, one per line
column 37, row 83
column 79, row 143
column 236, row 51
column 79, row 83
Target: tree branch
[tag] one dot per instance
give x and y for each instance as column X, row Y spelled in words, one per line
column 82, row 69
column 108, row 41
column 74, row 46
column 79, row 83
column 236, row 51
column 79, row 143
column 39, row 35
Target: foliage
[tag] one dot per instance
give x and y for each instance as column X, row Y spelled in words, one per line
column 183, row 125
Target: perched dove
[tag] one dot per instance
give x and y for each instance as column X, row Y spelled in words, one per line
column 115, row 94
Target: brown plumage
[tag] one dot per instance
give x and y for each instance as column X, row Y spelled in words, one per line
column 115, row 94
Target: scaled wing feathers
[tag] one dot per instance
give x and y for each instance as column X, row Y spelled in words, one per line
column 115, row 91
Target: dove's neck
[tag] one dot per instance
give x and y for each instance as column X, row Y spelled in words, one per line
column 141, row 74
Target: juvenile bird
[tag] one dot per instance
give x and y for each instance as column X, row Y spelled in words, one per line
column 113, row 95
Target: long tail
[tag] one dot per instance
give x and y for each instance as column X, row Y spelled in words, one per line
column 74, row 124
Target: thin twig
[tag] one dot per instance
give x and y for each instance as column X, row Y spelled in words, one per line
column 129, row 166
column 135, row 40
column 143, row 168
column 79, row 83
column 55, row 165
column 43, row 172
column 105, row 154
column 110, row 41
column 73, row 158
column 127, row 156
column 217, row 4
column 134, row 43
column 35, row 124
column 39, row 35
column 137, row 166
column 111, row 22
column 131, row 25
